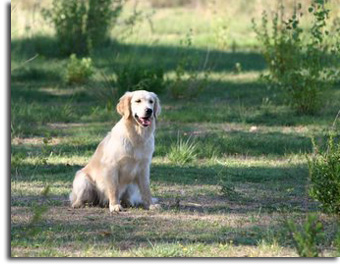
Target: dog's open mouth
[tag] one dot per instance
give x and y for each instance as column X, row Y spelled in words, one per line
column 145, row 121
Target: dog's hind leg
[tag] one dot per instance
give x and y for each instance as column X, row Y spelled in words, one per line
column 83, row 190
column 132, row 196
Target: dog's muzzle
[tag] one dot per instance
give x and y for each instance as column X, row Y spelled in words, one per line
column 144, row 121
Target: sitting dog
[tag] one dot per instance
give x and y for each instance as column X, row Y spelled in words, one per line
column 119, row 171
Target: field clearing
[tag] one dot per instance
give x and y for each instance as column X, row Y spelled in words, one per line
column 234, row 200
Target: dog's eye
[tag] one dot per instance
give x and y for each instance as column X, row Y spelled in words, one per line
column 151, row 101
column 138, row 101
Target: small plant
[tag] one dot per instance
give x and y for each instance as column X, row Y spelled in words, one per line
column 227, row 189
column 237, row 68
column 296, row 56
column 79, row 70
column 226, row 186
column 38, row 210
column 183, row 151
column 324, row 175
column 307, row 237
column 46, row 150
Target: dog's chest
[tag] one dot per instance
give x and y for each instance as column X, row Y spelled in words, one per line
column 128, row 171
column 134, row 163
column 137, row 153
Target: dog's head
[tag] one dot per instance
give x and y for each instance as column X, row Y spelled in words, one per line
column 142, row 106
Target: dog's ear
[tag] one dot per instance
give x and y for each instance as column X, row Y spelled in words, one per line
column 123, row 107
column 157, row 106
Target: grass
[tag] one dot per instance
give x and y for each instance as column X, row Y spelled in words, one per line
column 233, row 199
column 182, row 152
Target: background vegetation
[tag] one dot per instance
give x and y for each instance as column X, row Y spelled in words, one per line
column 232, row 159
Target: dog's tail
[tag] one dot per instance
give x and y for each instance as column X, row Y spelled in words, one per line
column 72, row 197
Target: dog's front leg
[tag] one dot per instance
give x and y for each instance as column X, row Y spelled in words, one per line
column 111, row 179
column 143, row 181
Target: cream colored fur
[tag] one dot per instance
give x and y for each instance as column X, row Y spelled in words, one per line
column 119, row 171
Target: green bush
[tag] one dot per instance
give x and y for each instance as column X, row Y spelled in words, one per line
column 299, row 58
column 81, row 25
column 101, row 15
column 78, row 70
column 324, row 175
column 134, row 77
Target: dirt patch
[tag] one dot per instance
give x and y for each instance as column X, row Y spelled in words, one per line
column 35, row 141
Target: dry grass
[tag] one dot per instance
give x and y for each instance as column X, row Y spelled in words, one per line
column 184, row 231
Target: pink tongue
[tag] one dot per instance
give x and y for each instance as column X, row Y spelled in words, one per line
column 146, row 122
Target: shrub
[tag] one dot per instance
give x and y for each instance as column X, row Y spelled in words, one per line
column 307, row 237
column 81, row 25
column 79, row 70
column 101, row 15
column 68, row 17
column 134, row 77
column 300, row 68
column 324, row 175
column 183, row 151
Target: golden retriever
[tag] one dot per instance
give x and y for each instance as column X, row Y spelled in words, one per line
column 118, row 172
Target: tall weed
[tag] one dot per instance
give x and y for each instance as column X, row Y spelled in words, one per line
column 302, row 61
column 307, row 237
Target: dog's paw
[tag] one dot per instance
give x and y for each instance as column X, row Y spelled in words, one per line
column 155, row 207
column 115, row 208
column 77, row 204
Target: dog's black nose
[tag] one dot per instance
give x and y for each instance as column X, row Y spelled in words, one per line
column 148, row 111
